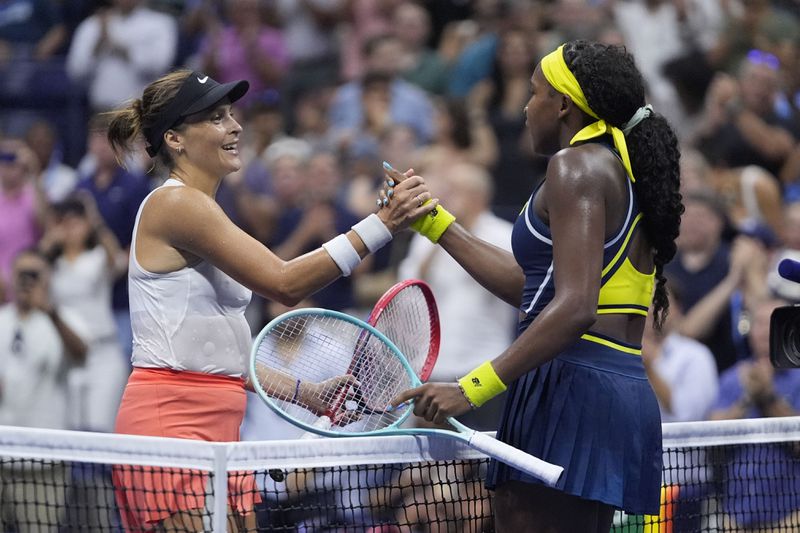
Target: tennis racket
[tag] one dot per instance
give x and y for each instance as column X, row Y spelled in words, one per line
column 350, row 372
column 407, row 315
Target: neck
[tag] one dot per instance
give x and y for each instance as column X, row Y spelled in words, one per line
column 196, row 178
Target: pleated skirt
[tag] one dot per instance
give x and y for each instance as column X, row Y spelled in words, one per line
column 592, row 411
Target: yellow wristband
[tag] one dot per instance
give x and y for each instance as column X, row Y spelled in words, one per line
column 433, row 224
column 481, row 385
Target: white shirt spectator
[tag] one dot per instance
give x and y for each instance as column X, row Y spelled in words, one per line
column 149, row 41
column 475, row 324
column 689, row 368
column 32, row 385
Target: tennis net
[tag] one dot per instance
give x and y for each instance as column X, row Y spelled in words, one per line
column 720, row 476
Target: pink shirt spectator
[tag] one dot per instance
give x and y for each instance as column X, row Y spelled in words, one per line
column 232, row 58
column 19, row 228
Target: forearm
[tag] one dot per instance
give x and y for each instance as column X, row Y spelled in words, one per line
column 661, row 388
column 73, row 344
column 700, row 320
column 556, row 328
column 492, row 267
column 773, row 143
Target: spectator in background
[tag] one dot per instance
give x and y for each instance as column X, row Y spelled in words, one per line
column 740, row 126
column 755, row 389
column 421, row 65
column 756, row 24
column 120, row 49
column 703, row 265
column 461, row 136
column 474, row 323
column 681, row 370
column 752, row 196
column 382, row 98
column 246, row 47
column 311, row 32
column 57, row 178
column 36, row 346
column 246, row 195
column 500, row 99
column 361, row 21
column 117, row 193
column 87, row 261
column 30, row 30
column 22, row 206
column 317, row 216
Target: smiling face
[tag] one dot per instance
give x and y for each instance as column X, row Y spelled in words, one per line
column 542, row 114
column 209, row 141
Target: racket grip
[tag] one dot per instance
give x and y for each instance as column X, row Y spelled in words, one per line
column 547, row 472
column 323, row 422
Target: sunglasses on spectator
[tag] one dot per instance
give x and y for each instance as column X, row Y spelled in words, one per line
column 8, row 157
column 759, row 57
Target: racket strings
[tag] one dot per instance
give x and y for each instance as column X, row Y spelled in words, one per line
column 406, row 321
column 319, row 349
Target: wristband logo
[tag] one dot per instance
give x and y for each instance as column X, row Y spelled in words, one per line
column 477, row 382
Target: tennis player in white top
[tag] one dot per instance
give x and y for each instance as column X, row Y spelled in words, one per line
column 190, row 277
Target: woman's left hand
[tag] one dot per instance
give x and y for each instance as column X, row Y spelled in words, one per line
column 435, row 402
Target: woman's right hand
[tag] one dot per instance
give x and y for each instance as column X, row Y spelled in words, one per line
column 404, row 198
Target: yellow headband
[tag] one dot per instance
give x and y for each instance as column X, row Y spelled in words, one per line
column 561, row 78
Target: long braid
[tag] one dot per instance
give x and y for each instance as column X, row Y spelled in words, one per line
column 614, row 90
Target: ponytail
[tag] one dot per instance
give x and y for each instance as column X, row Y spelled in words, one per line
column 124, row 127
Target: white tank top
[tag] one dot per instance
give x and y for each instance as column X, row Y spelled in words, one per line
column 191, row 319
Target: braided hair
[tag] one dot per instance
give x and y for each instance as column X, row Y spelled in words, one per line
column 614, row 89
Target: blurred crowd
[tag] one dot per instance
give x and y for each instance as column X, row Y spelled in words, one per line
column 337, row 86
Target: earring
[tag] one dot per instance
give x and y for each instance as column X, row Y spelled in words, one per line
column 525, row 110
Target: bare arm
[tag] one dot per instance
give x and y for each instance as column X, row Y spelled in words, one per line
column 494, row 268
column 576, row 205
column 183, row 219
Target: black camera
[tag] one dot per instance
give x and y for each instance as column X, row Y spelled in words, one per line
column 784, row 337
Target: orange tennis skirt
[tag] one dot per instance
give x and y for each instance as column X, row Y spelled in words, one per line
column 186, row 405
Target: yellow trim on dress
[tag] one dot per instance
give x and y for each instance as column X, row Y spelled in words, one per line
column 611, row 344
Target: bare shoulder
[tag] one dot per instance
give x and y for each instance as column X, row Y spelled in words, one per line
column 178, row 206
column 588, row 168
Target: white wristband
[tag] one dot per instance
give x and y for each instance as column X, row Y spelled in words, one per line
column 373, row 232
column 342, row 253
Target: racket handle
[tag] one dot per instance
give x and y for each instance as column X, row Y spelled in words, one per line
column 547, row 472
column 323, row 422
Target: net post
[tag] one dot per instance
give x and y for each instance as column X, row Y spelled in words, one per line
column 220, row 517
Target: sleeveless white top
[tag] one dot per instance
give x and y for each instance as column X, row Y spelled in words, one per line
column 190, row 319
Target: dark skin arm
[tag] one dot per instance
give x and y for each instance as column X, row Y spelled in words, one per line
column 582, row 201
column 494, row 268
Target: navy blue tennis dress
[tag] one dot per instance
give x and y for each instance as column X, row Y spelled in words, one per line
column 591, row 409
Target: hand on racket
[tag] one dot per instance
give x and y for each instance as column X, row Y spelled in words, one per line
column 435, row 402
column 317, row 344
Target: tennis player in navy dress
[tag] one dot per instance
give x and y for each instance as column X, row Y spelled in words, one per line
column 589, row 248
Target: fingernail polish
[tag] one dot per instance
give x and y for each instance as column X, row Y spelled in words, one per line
column 389, row 409
column 390, row 182
column 387, row 166
column 385, row 201
column 390, row 193
column 378, row 202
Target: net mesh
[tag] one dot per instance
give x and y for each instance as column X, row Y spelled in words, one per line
column 739, row 476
